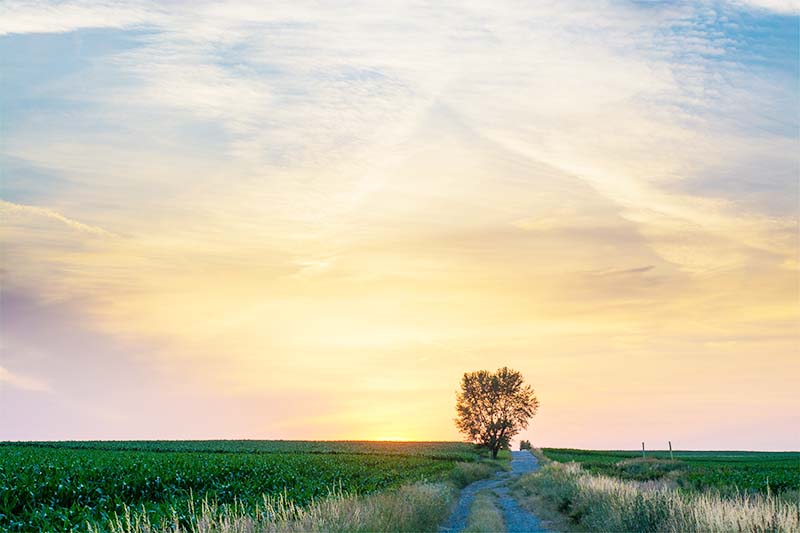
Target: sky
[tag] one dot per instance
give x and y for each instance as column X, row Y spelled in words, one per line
column 307, row 220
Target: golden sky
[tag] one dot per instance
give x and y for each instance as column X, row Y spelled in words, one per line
column 304, row 222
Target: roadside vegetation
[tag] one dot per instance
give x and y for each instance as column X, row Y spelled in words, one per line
column 465, row 473
column 645, row 495
column 409, row 508
column 484, row 514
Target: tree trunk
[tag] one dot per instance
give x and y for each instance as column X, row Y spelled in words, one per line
column 495, row 449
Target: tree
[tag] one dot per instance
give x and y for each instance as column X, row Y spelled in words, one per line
column 494, row 407
column 524, row 445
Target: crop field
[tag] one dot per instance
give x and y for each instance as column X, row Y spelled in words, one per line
column 726, row 471
column 58, row 486
column 433, row 450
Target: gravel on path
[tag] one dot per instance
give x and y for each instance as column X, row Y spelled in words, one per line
column 517, row 519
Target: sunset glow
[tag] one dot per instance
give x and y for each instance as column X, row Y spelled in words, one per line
column 228, row 220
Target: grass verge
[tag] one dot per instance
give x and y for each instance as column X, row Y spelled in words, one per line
column 602, row 503
column 484, row 515
column 465, row 473
column 415, row 507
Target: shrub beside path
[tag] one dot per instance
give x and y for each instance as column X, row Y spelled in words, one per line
column 517, row 519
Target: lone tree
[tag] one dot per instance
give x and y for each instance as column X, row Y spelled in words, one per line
column 493, row 407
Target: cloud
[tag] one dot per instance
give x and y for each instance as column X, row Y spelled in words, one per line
column 623, row 272
column 11, row 211
column 787, row 7
column 311, row 110
column 42, row 16
column 23, row 382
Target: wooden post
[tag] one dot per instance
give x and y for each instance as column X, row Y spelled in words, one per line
column 670, row 451
column 643, row 450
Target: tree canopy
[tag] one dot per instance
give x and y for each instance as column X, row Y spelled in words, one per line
column 493, row 407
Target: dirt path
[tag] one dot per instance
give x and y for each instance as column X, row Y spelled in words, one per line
column 517, row 519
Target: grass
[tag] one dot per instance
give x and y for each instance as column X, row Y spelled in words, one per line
column 60, row 486
column 597, row 502
column 727, row 472
column 465, row 473
column 419, row 507
column 484, row 515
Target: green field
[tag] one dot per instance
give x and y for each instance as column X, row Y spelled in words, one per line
column 433, row 450
column 726, row 471
column 57, row 486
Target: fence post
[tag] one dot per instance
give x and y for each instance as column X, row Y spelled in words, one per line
column 670, row 451
column 643, row 450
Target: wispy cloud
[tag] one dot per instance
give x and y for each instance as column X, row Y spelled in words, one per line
column 11, row 210
column 791, row 7
column 22, row 382
column 623, row 272
column 43, row 16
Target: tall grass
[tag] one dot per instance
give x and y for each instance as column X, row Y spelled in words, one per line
column 418, row 507
column 484, row 515
column 463, row 474
column 601, row 503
